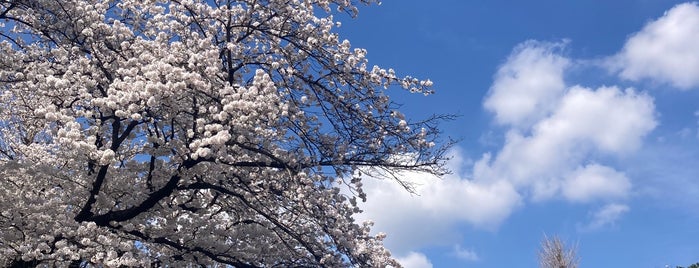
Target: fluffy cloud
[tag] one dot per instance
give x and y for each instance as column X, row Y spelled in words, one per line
column 556, row 154
column 595, row 182
column 415, row 260
column 612, row 120
column 585, row 121
column 527, row 86
column 554, row 128
column 555, row 134
column 549, row 150
column 429, row 215
column 665, row 50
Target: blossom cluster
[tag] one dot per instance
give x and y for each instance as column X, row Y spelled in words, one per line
column 141, row 133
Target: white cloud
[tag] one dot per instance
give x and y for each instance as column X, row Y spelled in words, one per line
column 465, row 254
column 415, row 260
column 585, row 121
column 614, row 121
column 606, row 216
column 528, row 84
column 557, row 153
column 665, row 50
column 429, row 216
column 595, row 182
column 555, row 133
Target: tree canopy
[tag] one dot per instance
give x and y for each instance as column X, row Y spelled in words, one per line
column 143, row 132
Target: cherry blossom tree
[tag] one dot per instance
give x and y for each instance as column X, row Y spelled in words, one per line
column 151, row 133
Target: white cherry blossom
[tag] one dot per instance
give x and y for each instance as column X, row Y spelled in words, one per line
column 154, row 133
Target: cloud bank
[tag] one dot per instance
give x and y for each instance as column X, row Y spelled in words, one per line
column 559, row 139
column 554, row 156
column 552, row 139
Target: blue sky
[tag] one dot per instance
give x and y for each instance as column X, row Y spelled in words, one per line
column 578, row 119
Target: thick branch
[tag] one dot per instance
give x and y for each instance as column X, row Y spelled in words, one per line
column 86, row 211
column 273, row 220
column 132, row 212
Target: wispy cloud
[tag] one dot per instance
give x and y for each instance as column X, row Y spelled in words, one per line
column 605, row 216
column 465, row 254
